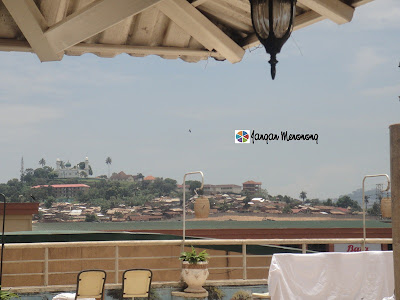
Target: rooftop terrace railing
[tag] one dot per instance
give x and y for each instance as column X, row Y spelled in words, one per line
column 38, row 267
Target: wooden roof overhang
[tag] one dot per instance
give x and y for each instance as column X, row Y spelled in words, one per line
column 191, row 30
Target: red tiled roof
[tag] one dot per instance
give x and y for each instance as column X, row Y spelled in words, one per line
column 251, row 182
column 149, row 178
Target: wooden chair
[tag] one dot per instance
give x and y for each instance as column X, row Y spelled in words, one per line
column 136, row 283
column 261, row 296
column 90, row 284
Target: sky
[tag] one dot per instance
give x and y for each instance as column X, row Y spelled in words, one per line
column 341, row 82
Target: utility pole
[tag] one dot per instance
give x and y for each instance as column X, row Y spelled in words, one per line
column 395, row 176
column 22, row 169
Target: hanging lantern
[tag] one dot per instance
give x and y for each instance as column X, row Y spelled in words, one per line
column 273, row 24
column 202, row 207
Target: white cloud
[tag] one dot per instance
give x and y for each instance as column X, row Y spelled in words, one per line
column 26, row 115
column 366, row 61
column 206, row 113
column 23, row 78
column 384, row 91
column 378, row 15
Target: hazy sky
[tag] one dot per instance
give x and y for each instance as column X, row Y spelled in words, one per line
column 341, row 82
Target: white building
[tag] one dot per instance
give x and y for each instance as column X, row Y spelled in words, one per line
column 222, row 189
column 67, row 171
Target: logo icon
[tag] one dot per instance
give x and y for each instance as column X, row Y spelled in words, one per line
column 242, row 136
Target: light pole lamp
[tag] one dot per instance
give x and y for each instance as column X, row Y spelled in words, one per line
column 363, row 202
column 273, row 23
column 184, row 203
column 3, row 198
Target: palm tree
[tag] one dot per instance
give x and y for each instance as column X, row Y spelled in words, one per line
column 303, row 195
column 42, row 162
column 108, row 162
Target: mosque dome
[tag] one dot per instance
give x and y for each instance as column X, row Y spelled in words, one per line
column 68, row 164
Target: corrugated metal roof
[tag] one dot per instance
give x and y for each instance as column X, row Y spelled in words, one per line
column 191, row 30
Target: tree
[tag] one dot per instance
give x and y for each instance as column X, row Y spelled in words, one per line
column 193, row 185
column 90, row 218
column 83, row 174
column 246, row 201
column 108, row 162
column 346, row 201
column 366, row 199
column 49, row 202
column 90, row 170
column 42, row 162
column 118, row 215
column 303, row 195
column 262, row 193
column 287, row 209
column 375, row 210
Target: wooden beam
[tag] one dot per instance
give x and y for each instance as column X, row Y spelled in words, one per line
column 14, row 45
column 202, row 29
column 143, row 50
column 196, row 3
column 93, row 19
column 113, row 50
column 32, row 24
column 358, row 3
column 300, row 21
column 335, row 10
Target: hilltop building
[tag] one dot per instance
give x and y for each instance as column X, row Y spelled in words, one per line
column 251, row 186
column 67, row 171
column 122, row 176
column 65, row 190
column 149, row 178
column 222, row 189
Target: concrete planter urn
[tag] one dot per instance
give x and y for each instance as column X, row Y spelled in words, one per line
column 194, row 270
column 195, row 275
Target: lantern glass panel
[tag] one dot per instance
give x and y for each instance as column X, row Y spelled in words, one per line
column 261, row 17
column 282, row 16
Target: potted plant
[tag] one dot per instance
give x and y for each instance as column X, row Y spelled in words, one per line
column 194, row 270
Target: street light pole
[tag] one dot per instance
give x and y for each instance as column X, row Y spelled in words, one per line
column 363, row 202
column 2, row 237
column 184, row 204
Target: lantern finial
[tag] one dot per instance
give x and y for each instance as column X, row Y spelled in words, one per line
column 273, row 61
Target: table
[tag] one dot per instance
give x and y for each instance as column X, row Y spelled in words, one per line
column 343, row 276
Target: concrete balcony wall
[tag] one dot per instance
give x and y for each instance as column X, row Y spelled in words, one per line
column 28, row 266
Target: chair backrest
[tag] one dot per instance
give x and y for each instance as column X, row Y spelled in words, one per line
column 90, row 284
column 136, row 283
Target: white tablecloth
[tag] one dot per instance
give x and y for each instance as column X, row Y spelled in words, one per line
column 327, row 276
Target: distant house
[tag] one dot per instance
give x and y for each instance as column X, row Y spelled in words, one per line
column 65, row 190
column 121, row 176
column 340, row 211
column 251, row 186
column 149, row 178
column 222, row 189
